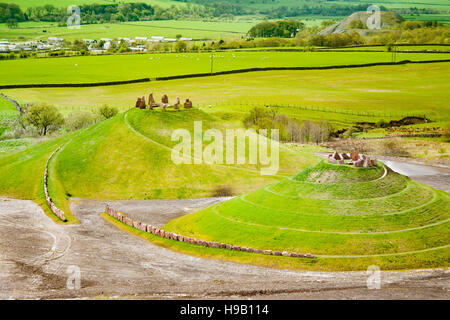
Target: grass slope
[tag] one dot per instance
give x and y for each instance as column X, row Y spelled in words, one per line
column 130, row 158
column 341, row 222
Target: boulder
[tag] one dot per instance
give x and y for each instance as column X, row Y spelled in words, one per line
column 345, row 156
column 354, row 155
column 292, row 254
column 336, row 156
column 258, row 251
column 238, row 248
column 228, row 246
column 359, row 163
column 277, row 253
column 285, row 254
column 269, row 252
column 188, row 104
column 332, row 160
column 177, row 104
column 341, row 162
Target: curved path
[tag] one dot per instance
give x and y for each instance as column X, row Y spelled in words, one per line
column 35, row 254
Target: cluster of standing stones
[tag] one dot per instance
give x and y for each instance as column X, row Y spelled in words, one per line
column 141, row 104
column 58, row 212
column 170, row 235
column 356, row 159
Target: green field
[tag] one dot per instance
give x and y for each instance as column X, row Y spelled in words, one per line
column 336, row 212
column 386, row 91
column 165, row 28
column 136, row 66
column 65, row 3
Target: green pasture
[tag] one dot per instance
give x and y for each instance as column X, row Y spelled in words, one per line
column 136, row 66
column 65, row 3
column 167, row 28
column 370, row 217
column 356, row 95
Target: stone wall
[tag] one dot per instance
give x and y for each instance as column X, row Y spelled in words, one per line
column 58, row 212
column 176, row 237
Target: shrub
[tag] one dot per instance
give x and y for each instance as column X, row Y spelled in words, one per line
column 222, row 191
column 79, row 119
column 107, row 112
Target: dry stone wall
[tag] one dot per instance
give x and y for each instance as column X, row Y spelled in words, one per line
column 177, row 237
column 58, row 212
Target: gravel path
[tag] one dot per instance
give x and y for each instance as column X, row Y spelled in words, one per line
column 35, row 254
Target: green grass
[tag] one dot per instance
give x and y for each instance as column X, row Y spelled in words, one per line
column 65, row 3
column 166, row 28
column 136, row 66
column 121, row 159
column 342, row 240
column 389, row 92
column 22, row 175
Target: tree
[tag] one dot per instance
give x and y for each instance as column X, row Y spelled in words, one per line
column 180, row 46
column 12, row 23
column 44, row 117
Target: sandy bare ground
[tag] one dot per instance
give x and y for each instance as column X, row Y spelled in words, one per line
column 35, row 254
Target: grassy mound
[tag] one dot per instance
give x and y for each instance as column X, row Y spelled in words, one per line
column 379, row 216
column 129, row 157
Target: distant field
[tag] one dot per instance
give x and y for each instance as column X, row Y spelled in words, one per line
column 66, row 3
column 388, row 91
column 166, row 28
column 136, row 66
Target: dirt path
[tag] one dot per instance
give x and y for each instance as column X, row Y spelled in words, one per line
column 35, row 254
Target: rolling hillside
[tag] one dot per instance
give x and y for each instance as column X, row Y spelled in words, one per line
column 129, row 157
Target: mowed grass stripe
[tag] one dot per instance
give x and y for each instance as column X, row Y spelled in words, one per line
column 357, row 208
column 330, row 232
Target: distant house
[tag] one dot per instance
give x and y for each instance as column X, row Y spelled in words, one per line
column 106, row 39
column 170, row 40
column 157, row 38
column 186, row 39
column 141, row 38
column 54, row 39
column 4, row 42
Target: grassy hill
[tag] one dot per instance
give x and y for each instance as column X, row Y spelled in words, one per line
column 129, row 157
column 349, row 217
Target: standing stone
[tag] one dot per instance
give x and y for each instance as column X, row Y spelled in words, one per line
column 345, row 156
column 336, row 156
column 354, row 155
column 332, row 160
column 165, row 99
column 188, row 104
column 177, row 104
column 138, row 103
